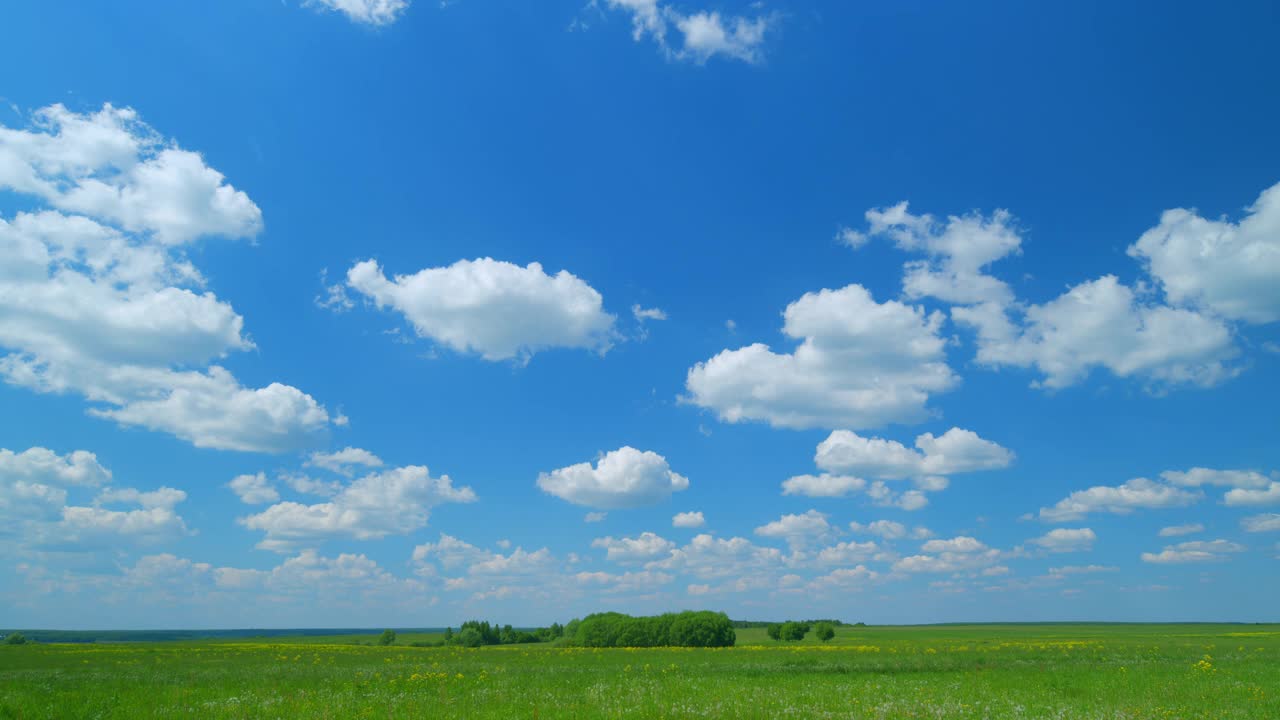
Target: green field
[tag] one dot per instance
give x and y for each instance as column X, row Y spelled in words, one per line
column 984, row 671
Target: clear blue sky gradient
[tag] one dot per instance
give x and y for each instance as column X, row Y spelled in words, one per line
column 713, row 191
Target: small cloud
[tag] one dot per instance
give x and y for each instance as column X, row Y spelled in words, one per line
column 851, row 238
column 643, row 314
column 594, row 517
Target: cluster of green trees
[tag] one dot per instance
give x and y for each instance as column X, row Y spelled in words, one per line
column 15, row 638
column 794, row 631
column 474, row 633
column 684, row 629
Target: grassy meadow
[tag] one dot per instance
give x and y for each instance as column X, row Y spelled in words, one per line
column 982, row 671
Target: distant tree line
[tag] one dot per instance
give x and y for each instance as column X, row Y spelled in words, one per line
column 683, row 629
column 767, row 623
column 474, row 633
column 794, row 631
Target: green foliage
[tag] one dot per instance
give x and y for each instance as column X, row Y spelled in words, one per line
column 774, row 631
column 15, row 638
column 686, row 629
column 794, row 631
column 469, row 637
column 824, row 631
column 388, row 637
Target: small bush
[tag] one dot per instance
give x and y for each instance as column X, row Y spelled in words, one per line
column 388, row 637
column 15, row 638
column 824, row 631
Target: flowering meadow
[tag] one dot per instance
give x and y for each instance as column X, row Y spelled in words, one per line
column 987, row 671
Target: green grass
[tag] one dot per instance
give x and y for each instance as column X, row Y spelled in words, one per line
column 988, row 671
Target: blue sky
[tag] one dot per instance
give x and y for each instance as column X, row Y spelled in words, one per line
column 369, row 312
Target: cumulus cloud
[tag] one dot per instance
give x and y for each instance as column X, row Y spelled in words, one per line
column 703, row 35
column 461, row 566
column 38, row 508
column 648, row 546
column 41, row 465
column 254, row 489
column 622, row 478
column 642, row 314
column 1192, row 552
column 1105, row 324
column 1201, row 477
column 391, row 502
column 798, row 529
column 493, row 308
column 958, row 253
column 1231, row 269
column 859, row 364
column 1066, row 540
column 824, row 485
column 710, row 558
column 98, row 298
column 344, row 461
column 956, row 451
column 1179, row 530
column 1239, row 496
column 688, row 520
column 1267, row 522
column 366, row 12
column 1139, row 493
column 1175, row 330
column 891, row 530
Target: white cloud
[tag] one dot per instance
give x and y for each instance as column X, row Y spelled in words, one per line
column 1066, row 540
column 642, row 314
column 711, row 558
column 1191, row 552
column 948, row 562
column 851, row 238
column 344, row 461
column 367, row 12
column 36, row 508
column 1081, row 570
column 824, row 485
column 1239, row 497
column 594, row 517
column 891, row 530
column 396, row 501
column 1231, row 269
column 798, row 529
column 848, row 553
column 105, row 304
column 628, row 582
column 254, row 489
column 958, row 253
column 1104, row 324
column 1267, row 522
column 883, row 496
column 493, row 308
column 844, row 579
column 860, row 364
column 1178, row 530
column 486, row 574
column 648, row 546
column 703, row 34
column 1139, row 493
column 706, row 35
column 1201, row 477
column 956, row 451
column 622, row 478
column 688, row 520
column 959, row 544
column 42, row 465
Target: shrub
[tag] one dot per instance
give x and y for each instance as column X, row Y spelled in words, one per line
column 686, row 629
column 824, row 631
column 15, row 638
column 388, row 637
column 794, row 631
column 774, row 631
column 469, row 637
